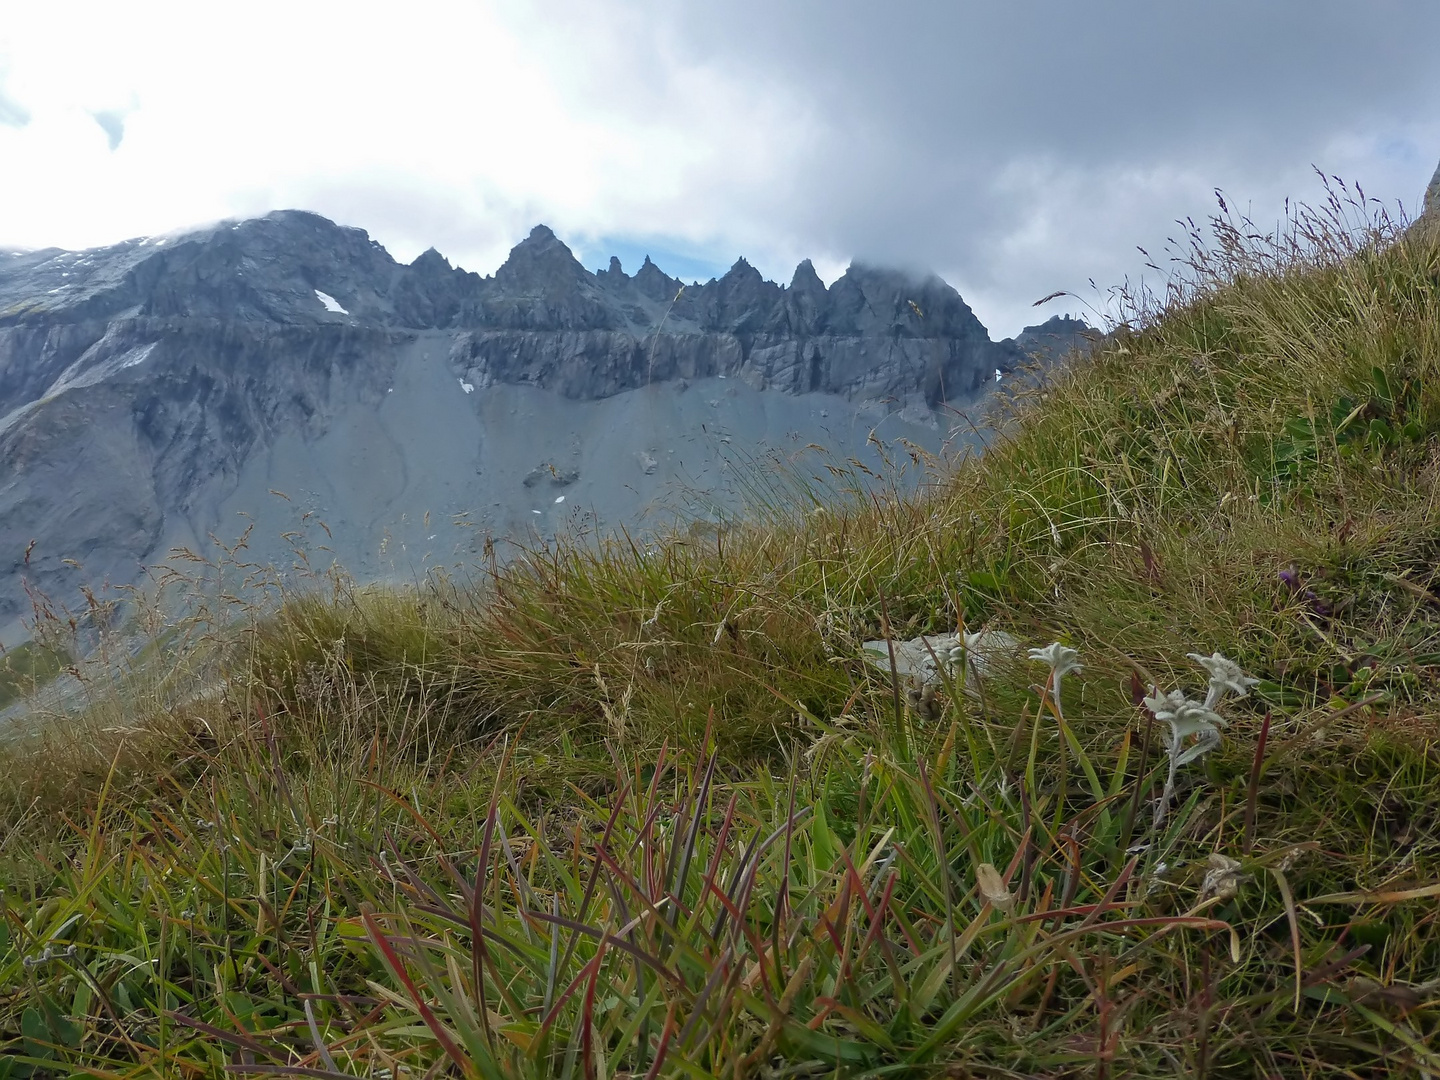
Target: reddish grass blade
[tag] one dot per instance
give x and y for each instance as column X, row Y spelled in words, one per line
column 1252, row 792
column 397, row 968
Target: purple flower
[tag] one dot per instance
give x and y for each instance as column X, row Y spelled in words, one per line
column 1316, row 604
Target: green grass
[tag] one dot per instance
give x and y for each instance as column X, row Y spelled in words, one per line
column 645, row 809
column 26, row 668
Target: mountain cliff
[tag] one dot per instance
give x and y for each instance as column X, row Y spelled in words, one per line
column 166, row 390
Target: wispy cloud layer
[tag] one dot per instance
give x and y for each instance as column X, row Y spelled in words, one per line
column 1017, row 149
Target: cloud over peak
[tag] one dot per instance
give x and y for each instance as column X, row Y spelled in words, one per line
column 1015, row 149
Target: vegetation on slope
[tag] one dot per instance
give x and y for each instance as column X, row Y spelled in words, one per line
column 26, row 668
column 645, row 809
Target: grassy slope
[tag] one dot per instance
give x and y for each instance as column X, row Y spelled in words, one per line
column 26, row 668
column 710, row 840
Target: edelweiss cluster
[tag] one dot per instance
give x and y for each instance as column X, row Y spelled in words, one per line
column 1195, row 726
column 1187, row 718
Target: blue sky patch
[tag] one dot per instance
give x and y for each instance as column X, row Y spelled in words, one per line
column 676, row 261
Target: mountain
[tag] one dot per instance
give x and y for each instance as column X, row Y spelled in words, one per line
column 285, row 371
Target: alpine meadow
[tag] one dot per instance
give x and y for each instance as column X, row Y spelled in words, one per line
column 1108, row 750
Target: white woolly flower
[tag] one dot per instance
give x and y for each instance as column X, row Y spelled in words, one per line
column 1062, row 660
column 1193, row 719
column 963, row 648
column 1164, row 705
column 978, row 649
column 1225, row 677
column 924, row 660
column 1186, row 719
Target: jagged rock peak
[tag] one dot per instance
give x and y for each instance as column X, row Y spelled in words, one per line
column 431, row 259
column 294, row 267
column 806, row 279
column 540, row 260
column 743, row 270
column 654, row 282
column 1060, row 323
column 1056, row 338
column 150, row 390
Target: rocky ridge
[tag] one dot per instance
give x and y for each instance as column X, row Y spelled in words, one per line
column 145, row 387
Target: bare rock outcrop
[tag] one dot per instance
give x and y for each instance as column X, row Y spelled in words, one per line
column 146, row 387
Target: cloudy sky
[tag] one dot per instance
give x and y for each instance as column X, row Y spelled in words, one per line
column 1016, row 148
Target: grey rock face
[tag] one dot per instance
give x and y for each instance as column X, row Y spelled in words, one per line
column 1431, row 205
column 1055, row 337
column 542, row 319
column 149, row 389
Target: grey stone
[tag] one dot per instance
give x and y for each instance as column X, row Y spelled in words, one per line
column 152, row 390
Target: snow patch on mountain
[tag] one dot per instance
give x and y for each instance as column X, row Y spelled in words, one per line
column 331, row 304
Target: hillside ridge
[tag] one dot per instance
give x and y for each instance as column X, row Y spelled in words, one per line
column 156, row 393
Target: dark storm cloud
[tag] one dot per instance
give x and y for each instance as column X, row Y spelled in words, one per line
column 1088, row 79
column 976, row 137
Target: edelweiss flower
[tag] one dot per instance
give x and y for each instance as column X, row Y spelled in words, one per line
column 1186, row 718
column 1193, row 719
column 1062, row 660
column 923, row 660
column 1164, row 705
column 1225, row 677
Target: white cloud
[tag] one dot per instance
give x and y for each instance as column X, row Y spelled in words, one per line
column 1015, row 153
